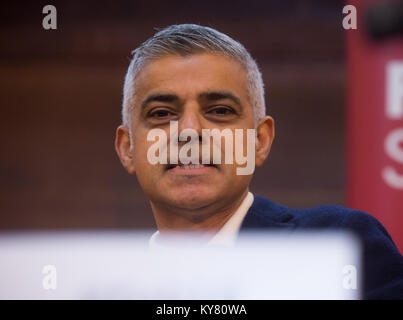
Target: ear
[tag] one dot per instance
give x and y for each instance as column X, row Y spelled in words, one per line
column 124, row 148
column 265, row 137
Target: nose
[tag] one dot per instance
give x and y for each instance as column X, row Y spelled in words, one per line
column 191, row 119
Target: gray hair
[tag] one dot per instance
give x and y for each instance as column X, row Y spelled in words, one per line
column 188, row 39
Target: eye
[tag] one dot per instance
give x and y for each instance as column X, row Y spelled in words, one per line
column 160, row 114
column 221, row 111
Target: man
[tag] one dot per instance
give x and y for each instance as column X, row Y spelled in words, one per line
column 199, row 79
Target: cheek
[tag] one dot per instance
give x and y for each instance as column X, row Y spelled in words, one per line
column 143, row 166
column 141, row 146
column 140, row 157
column 147, row 173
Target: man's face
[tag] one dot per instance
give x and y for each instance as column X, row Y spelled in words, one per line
column 200, row 91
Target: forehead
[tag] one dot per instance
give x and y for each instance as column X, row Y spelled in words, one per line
column 189, row 75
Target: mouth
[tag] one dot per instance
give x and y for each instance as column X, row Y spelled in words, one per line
column 190, row 168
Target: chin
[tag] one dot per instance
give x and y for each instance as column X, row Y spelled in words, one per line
column 193, row 199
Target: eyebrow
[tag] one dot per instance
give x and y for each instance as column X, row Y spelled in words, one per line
column 220, row 95
column 159, row 97
column 209, row 96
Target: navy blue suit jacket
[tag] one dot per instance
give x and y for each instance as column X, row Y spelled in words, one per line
column 382, row 262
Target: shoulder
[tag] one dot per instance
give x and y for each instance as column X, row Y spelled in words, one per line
column 336, row 216
column 364, row 225
column 383, row 276
column 322, row 216
column 329, row 216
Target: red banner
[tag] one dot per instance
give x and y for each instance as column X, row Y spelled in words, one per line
column 375, row 116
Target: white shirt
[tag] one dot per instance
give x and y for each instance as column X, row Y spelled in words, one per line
column 227, row 235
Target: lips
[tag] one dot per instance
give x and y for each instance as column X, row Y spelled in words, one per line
column 189, row 166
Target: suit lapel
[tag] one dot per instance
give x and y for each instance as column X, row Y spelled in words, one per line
column 264, row 214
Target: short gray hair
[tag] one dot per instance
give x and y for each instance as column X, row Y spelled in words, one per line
column 188, row 39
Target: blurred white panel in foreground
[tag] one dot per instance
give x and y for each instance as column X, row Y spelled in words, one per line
column 121, row 265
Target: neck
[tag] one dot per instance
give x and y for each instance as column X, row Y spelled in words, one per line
column 206, row 220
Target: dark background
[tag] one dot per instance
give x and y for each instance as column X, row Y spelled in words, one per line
column 61, row 94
